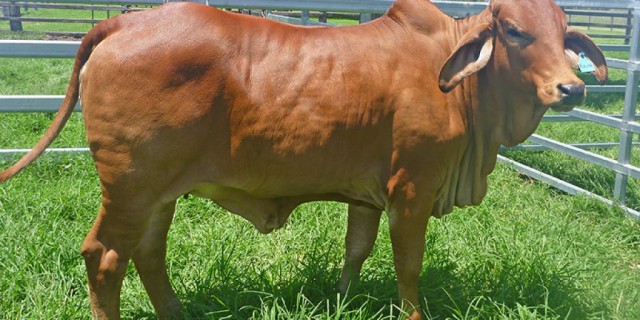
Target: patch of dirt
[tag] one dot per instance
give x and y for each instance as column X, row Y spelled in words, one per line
column 63, row 37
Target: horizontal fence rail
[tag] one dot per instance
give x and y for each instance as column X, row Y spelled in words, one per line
column 626, row 122
column 587, row 156
column 616, row 20
column 562, row 185
column 38, row 49
column 373, row 6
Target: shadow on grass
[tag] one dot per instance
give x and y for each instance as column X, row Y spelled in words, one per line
column 501, row 290
column 448, row 289
column 501, row 285
column 232, row 290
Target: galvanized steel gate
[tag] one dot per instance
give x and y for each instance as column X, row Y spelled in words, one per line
column 625, row 123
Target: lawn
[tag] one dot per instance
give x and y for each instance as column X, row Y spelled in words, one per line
column 528, row 252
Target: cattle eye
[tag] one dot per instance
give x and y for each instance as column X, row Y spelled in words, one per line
column 514, row 33
column 516, row 36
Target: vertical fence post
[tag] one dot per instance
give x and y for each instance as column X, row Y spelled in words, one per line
column 323, row 17
column 365, row 17
column 611, row 26
column 15, row 24
column 304, row 18
column 630, row 101
column 627, row 31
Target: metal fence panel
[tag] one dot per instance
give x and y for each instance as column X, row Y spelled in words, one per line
column 562, row 185
column 600, row 4
column 630, row 102
column 621, row 168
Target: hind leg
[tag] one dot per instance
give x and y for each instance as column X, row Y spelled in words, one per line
column 106, row 251
column 362, row 230
column 149, row 258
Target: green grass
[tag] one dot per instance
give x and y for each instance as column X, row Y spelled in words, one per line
column 528, row 252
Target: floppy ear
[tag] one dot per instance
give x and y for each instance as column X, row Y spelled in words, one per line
column 576, row 42
column 470, row 55
column 573, row 58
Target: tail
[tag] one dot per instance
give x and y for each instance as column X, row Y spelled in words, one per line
column 92, row 39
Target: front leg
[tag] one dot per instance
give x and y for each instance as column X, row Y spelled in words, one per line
column 407, row 229
column 362, row 230
column 409, row 211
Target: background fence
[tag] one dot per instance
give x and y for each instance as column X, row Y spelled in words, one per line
column 619, row 14
column 611, row 19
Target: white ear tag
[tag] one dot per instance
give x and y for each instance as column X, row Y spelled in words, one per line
column 585, row 65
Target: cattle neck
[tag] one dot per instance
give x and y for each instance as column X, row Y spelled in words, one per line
column 481, row 109
column 467, row 184
column 426, row 18
column 481, row 114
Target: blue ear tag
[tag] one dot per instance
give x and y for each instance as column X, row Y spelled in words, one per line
column 585, row 65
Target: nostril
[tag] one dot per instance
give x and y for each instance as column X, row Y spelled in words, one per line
column 572, row 90
column 572, row 94
column 565, row 89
